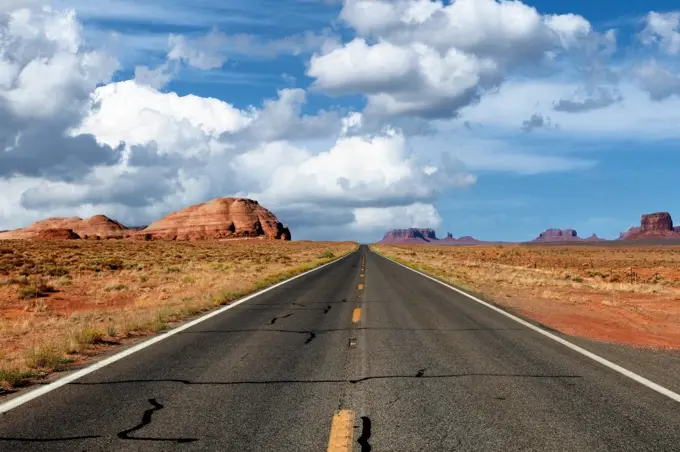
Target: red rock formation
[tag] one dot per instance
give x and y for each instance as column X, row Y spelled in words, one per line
column 466, row 240
column 424, row 237
column 653, row 225
column 412, row 235
column 660, row 221
column 57, row 234
column 221, row 218
column 558, row 235
column 594, row 238
column 98, row 226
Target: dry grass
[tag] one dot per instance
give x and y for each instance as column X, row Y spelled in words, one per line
column 626, row 294
column 61, row 302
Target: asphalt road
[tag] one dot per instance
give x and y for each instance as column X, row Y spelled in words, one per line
column 431, row 371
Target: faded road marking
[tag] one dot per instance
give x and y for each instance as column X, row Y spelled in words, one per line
column 356, row 315
column 342, row 431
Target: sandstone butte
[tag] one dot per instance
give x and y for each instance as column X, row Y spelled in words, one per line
column 563, row 235
column 653, row 225
column 97, row 227
column 409, row 235
column 414, row 236
column 221, row 218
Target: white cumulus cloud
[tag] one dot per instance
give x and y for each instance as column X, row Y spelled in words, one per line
column 416, row 215
column 663, row 29
column 430, row 59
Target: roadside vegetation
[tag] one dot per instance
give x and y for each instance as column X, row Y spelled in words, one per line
column 62, row 302
column 627, row 294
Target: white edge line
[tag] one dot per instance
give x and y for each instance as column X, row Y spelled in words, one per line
column 34, row 394
column 623, row 371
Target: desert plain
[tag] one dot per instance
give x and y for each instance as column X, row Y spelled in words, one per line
column 65, row 301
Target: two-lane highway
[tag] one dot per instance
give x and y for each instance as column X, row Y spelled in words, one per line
column 419, row 366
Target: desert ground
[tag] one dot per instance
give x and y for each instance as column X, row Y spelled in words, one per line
column 627, row 294
column 61, row 302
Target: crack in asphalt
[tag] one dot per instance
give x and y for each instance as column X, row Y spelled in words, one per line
column 273, row 321
column 335, row 381
column 311, row 337
column 49, row 440
column 146, row 420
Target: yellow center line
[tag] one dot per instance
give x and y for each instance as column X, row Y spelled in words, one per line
column 342, row 430
column 360, row 287
column 356, row 315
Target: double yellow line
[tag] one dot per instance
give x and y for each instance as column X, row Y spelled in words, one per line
column 356, row 314
column 342, row 425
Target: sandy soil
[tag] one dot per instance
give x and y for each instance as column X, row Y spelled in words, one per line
column 62, row 301
column 626, row 295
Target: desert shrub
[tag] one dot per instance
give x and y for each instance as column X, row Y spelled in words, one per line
column 44, row 287
column 55, row 271
column 88, row 336
column 328, row 254
column 111, row 331
column 20, row 280
column 116, row 287
column 29, row 291
column 44, row 357
column 65, row 281
column 14, row 377
column 105, row 264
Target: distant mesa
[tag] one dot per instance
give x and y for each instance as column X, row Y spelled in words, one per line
column 657, row 225
column 558, row 235
column 414, row 236
column 411, row 235
column 221, row 218
column 554, row 235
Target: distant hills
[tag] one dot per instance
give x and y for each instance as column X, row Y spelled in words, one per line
column 654, row 228
column 414, row 236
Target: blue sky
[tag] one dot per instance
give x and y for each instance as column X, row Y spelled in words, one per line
column 491, row 119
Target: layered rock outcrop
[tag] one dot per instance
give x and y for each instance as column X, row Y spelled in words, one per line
column 653, row 225
column 57, row 234
column 557, row 235
column 221, row 218
column 97, row 227
column 415, row 236
column 411, row 235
